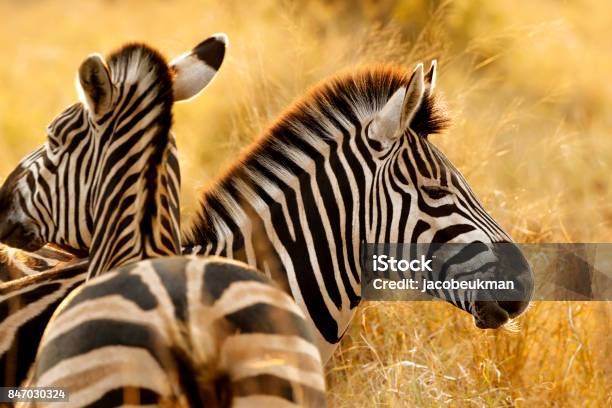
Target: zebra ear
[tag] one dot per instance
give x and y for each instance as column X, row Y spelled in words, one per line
column 196, row 69
column 94, row 86
column 431, row 77
column 395, row 117
column 413, row 98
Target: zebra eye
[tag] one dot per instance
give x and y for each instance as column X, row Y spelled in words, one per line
column 435, row 192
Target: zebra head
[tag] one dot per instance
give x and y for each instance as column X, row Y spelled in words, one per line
column 60, row 192
column 418, row 196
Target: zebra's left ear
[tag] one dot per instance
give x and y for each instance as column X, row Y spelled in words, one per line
column 196, row 69
column 395, row 117
column 94, row 84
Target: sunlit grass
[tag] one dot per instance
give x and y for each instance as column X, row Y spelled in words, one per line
column 526, row 83
column 423, row 354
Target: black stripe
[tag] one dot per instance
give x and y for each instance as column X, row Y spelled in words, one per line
column 97, row 333
column 268, row 319
column 171, row 271
column 268, row 384
column 219, row 275
column 139, row 292
column 466, row 253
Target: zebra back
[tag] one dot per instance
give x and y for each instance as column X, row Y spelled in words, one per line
column 181, row 332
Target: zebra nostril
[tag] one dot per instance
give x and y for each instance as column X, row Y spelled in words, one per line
column 489, row 314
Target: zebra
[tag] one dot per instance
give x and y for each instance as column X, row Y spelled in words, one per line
column 131, row 103
column 184, row 331
column 351, row 163
column 108, row 130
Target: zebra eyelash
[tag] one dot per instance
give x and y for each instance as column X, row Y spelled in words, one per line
column 435, row 192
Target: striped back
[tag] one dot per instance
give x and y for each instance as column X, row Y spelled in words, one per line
column 183, row 332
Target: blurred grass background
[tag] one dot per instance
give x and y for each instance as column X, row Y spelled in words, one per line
column 527, row 86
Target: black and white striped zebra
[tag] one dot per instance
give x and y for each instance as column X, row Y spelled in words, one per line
column 350, row 163
column 107, row 181
column 180, row 331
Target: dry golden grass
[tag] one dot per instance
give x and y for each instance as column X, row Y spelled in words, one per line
column 527, row 85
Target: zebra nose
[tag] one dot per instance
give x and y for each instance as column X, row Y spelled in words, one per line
column 515, row 269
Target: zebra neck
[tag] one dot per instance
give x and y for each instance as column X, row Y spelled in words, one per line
column 301, row 224
column 140, row 215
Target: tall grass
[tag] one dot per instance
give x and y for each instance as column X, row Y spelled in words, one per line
column 527, row 86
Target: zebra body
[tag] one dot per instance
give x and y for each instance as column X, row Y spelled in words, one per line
column 349, row 163
column 124, row 184
column 187, row 332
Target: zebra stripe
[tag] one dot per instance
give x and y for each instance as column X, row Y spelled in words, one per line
column 187, row 332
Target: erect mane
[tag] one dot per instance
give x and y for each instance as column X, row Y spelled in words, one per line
column 354, row 96
column 140, row 63
column 361, row 93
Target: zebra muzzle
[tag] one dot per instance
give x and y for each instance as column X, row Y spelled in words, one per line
column 19, row 236
column 489, row 314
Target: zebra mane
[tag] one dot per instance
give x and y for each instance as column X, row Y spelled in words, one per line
column 365, row 91
column 139, row 63
column 144, row 82
column 353, row 96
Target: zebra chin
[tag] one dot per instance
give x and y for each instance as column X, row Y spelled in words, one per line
column 492, row 314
